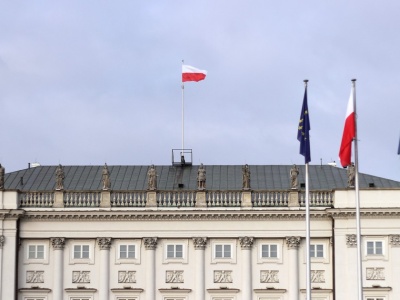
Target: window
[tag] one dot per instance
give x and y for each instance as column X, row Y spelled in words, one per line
column 374, row 248
column 81, row 252
column 174, row 251
column 375, row 298
column 317, row 251
column 269, row 251
column 223, row 251
column 36, row 252
column 127, row 252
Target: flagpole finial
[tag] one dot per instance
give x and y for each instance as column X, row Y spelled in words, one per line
column 354, row 79
column 305, row 80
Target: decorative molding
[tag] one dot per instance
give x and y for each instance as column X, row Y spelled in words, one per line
column 317, row 276
column 126, row 276
column 174, row 276
column 80, row 276
column 58, row 243
column 200, row 243
column 2, row 241
column 246, row 242
column 34, row 276
column 182, row 215
column 150, row 243
column 269, row 276
column 104, row 243
column 293, row 242
column 223, row 276
column 375, row 274
column 394, row 240
column 351, row 240
column 370, row 213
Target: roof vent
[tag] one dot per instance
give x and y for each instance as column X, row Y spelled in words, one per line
column 33, row 165
column 371, row 184
column 302, row 185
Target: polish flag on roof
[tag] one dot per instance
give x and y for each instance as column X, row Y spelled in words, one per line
column 190, row 73
column 349, row 133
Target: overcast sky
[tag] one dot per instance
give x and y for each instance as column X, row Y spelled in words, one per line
column 94, row 82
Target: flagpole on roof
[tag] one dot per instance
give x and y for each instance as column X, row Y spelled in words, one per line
column 308, row 243
column 303, row 136
column 357, row 194
column 183, row 118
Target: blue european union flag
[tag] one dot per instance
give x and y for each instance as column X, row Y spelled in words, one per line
column 398, row 151
column 303, row 132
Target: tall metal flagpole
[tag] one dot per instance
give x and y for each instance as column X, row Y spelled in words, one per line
column 183, row 117
column 303, row 136
column 357, row 192
column 308, row 261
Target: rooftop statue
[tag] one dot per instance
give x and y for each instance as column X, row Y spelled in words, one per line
column 59, row 178
column 294, row 172
column 152, row 178
column 106, row 178
column 201, row 178
column 246, row 177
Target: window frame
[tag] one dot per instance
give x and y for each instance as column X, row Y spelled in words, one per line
column 326, row 250
column 267, row 260
column 316, row 251
column 125, row 242
column 220, row 242
column 35, row 243
column 175, row 242
column 375, row 239
column 84, row 260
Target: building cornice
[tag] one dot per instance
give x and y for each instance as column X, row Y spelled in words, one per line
column 11, row 214
column 179, row 215
column 365, row 213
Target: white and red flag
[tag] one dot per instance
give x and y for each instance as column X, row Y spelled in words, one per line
column 190, row 73
column 349, row 133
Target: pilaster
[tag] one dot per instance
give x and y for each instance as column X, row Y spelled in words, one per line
column 58, row 250
column 104, row 287
column 246, row 243
column 105, row 199
column 246, row 199
column 293, row 244
column 58, row 199
column 200, row 244
column 150, row 245
column 201, row 199
column 293, row 199
column 151, row 199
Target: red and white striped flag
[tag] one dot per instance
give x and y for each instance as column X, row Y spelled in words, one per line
column 190, row 73
column 349, row 133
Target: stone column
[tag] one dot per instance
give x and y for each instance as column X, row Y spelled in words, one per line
column 58, row 278
column 104, row 282
column 293, row 243
column 246, row 244
column 150, row 245
column 200, row 244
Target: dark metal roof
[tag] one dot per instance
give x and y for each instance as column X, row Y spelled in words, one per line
column 219, row 177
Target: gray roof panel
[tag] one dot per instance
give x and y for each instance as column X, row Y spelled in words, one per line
column 219, row 177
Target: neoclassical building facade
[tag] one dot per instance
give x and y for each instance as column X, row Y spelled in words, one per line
column 186, row 232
